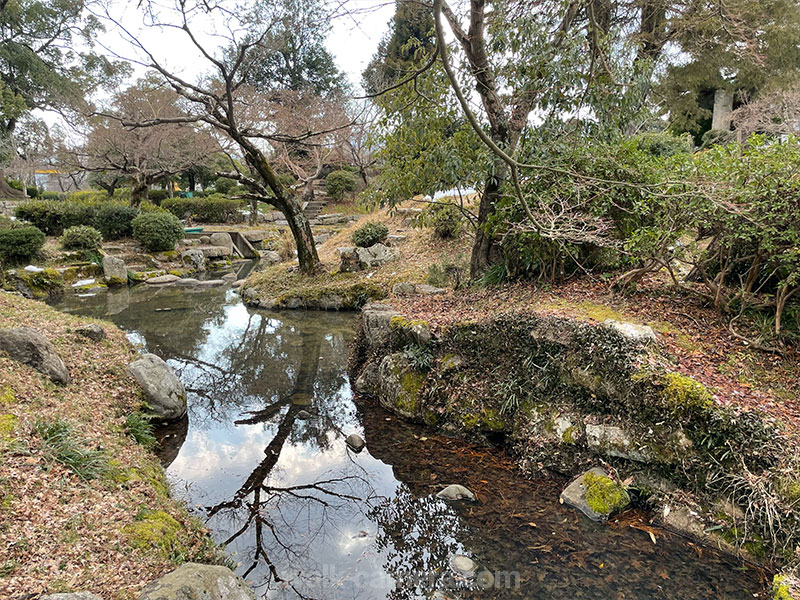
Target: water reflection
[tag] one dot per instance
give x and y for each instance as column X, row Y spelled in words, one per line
column 262, row 458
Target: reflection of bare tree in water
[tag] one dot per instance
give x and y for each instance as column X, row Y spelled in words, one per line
column 264, row 509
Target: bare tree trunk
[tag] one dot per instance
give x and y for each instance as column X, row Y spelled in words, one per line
column 485, row 249
column 6, row 191
column 252, row 218
column 138, row 192
column 308, row 191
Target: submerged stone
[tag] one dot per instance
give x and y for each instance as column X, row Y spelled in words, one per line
column 456, row 492
column 463, row 566
column 355, row 442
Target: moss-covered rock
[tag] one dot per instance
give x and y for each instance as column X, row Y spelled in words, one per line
column 785, row 587
column 8, row 423
column 604, row 495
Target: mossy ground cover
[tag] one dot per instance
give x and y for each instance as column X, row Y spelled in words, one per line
column 73, row 482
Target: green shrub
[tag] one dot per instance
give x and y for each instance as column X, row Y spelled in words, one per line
column 340, row 183
column 114, row 220
column 157, row 231
column 47, row 215
column 60, row 196
column 33, row 192
column 223, row 185
column 14, row 183
column 664, row 144
column 81, row 237
column 157, row 196
column 370, row 234
column 211, row 209
column 445, row 218
column 19, row 244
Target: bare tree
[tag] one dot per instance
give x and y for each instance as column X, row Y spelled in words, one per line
column 144, row 156
column 224, row 100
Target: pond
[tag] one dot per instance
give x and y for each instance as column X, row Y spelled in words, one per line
column 262, row 459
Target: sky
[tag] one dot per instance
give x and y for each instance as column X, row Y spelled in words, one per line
column 353, row 39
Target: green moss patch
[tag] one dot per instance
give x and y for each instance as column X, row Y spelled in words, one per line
column 603, row 495
column 682, row 392
column 156, row 530
column 8, row 423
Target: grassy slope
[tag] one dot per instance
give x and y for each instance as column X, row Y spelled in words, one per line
column 58, row 532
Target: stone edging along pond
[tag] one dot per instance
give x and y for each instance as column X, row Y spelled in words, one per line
column 564, row 395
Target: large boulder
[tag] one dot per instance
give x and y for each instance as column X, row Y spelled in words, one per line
column 164, row 392
column 30, row 347
column 359, row 259
column 222, row 239
column 376, row 321
column 216, row 251
column 399, row 384
column 92, row 331
column 271, row 257
column 194, row 258
column 114, row 270
column 192, row 581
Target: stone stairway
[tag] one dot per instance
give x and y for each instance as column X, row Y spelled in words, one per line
column 314, row 208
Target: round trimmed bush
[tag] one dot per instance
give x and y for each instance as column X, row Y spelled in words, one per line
column 81, row 237
column 339, row 183
column 446, row 219
column 157, row 231
column 19, row 244
column 370, row 234
column 114, row 220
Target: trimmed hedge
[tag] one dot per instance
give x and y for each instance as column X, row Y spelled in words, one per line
column 157, row 231
column 19, row 244
column 81, row 237
column 211, row 209
column 113, row 220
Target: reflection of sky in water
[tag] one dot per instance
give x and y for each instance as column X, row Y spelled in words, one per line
column 238, row 363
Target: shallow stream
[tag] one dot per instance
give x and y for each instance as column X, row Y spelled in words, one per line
column 262, row 459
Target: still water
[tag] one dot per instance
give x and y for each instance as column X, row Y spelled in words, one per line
column 262, row 459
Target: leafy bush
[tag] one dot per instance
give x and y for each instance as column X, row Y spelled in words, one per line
column 370, row 234
column 81, row 237
column 19, row 244
column 157, row 231
column 53, row 196
column 211, row 209
column 157, row 196
column 445, row 218
column 664, row 144
column 47, row 215
column 114, row 220
column 223, row 185
column 33, row 192
column 340, row 183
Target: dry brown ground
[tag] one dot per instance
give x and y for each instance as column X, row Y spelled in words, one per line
column 59, row 533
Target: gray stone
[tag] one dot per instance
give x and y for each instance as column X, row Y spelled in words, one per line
column 271, row 257
column 231, row 277
column 192, row 581
column 303, row 415
column 456, row 492
column 216, row 251
column 395, row 373
column 163, row 279
column 395, row 240
column 187, row 282
column 164, row 392
column 641, row 334
column 238, row 283
column 463, row 566
column 574, row 496
column 258, row 235
column 30, row 347
column 92, row 331
column 212, row 283
column 195, row 258
column 222, row 239
column 71, row 596
column 204, row 239
column 611, row 440
column 376, row 322
column 359, row 259
column 114, row 270
column 355, row 442
column 404, row 288
column 367, row 381
column 424, row 289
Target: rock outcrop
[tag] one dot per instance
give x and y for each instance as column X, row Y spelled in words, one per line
column 192, row 581
column 194, row 258
column 30, row 347
column 164, row 392
column 92, row 331
column 360, row 259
